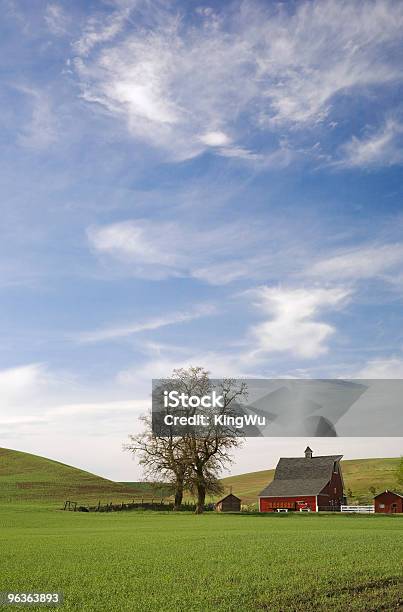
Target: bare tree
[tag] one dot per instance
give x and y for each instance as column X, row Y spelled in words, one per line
column 163, row 458
column 209, row 448
column 192, row 458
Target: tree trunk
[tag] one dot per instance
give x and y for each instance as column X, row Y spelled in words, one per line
column 201, row 498
column 178, row 496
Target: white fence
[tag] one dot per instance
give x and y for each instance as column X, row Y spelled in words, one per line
column 361, row 509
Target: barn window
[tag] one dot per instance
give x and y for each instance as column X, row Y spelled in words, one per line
column 381, row 505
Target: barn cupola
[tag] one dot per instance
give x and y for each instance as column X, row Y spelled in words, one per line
column 308, row 453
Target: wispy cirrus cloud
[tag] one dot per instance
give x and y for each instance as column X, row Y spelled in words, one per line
column 40, row 130
column 292, row 326
column 56, row 19
column 119, row 332
column 163, row 249
column 384, row 147
column 234, row 251
column 103, row 27
column 363, row 262
column 188, row 86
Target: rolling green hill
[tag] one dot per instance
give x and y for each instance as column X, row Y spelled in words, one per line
column 358, row 474
column 31, row 478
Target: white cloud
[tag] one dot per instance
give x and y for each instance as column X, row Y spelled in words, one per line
column 31, row 394
column 382, row 148
column 43, row 412
column 223, row 144
column 41, row 130
column 18, row 421
column 183, row 85
column 144, row 241
column 56, row 19
column 293, row 326
column 219, row 364
column 215, row 139
column 115, row 333
column 229, row 271
column 365, row 262
column 101, row 409
column 382, row 368
column 21, row 383
column 152, row 249
column 102, row 29
column 29, row 391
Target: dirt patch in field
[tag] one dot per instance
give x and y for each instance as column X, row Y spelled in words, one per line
column 373, row 593
column 374, row 584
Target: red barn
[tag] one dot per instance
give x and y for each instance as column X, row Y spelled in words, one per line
column 229, row 503
column 306, row 484
column 388, row 502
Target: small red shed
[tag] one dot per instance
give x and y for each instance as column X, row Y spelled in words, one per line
column 229, row 503
column 388, row 502
column 306, row 484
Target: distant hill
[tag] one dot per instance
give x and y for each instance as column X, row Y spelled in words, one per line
column 31, row 478
column 358, row 474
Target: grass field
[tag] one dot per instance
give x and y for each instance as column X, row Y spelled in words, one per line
column 153, row 561
column 149, row 561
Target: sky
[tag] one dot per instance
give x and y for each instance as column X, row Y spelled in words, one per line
column 182, row 184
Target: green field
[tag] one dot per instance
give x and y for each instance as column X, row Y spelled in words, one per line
column 150, row 561
column 154, row 561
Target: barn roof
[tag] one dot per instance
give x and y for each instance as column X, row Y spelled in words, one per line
column 301, row 476
column 393, row 493
column 227, row 496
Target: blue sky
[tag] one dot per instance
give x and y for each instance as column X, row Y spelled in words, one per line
column 212, row 184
